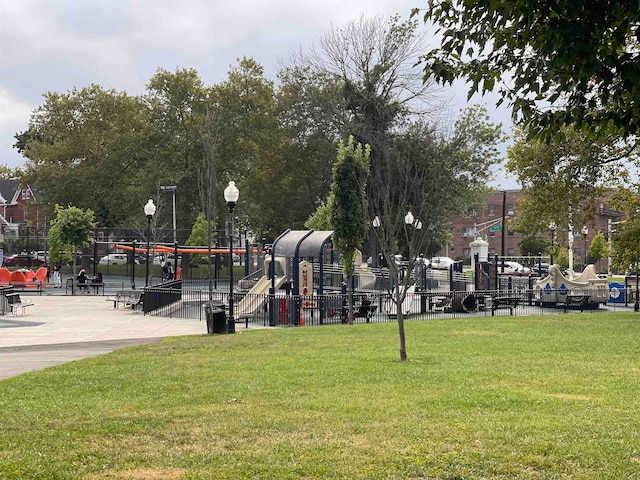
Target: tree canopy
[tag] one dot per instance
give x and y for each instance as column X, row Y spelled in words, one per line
column 556, row 63
column 71, row 227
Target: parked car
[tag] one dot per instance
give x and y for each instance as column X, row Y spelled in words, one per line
column 442, row 263
column 513, row 268
column 224, row 258
column 541, row 269
column 116, row 259
column 22, row 260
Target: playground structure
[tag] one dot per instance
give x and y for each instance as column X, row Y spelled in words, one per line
column 301, row 277
column 24, row 278
column 555, row 287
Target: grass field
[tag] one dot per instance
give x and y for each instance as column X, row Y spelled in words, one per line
column 548, row 397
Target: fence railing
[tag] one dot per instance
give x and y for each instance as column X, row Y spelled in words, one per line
column 158, row 297
column 291, row 310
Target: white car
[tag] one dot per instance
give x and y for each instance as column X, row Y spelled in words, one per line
column 442, row 263
column 116, row 259
column 514, row 268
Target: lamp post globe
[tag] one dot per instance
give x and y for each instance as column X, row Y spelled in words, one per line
column 149, row 210
column 585, row 232
column 408, row 218
column 231, row 194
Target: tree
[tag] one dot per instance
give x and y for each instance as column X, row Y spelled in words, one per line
column 598, row 248
column 569, row 172
column 74, row 227
column 349, row 207
column 435, row 177
column 369, row 67
column 199, row 235
column 626, row 243
column 250, row 150
column 74, row 135
column 532, row 245
column 321, row 218
column 177, row 103
column 556, row 63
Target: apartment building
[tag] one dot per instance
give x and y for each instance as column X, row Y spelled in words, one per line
column 487, row 223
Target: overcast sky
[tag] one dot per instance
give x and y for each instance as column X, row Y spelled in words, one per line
column 58, row 45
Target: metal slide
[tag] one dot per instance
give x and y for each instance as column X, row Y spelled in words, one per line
column 256, row 297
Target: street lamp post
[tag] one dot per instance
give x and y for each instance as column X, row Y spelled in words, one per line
column 377, row 260
column 231, row 194
column 585, row 232
column 172, row 189
column 552, row 228
column 570, row 239
column 149, row 210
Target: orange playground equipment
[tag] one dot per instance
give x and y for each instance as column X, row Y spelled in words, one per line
column 24, row 278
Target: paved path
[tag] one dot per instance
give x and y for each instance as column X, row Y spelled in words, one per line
column 59, row 329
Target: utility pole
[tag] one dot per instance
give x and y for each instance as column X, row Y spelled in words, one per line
column 172, row 189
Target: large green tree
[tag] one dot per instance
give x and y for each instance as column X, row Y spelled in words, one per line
column 177, row 104
column 74, row 136
column 558, row 177
column 555, row 62
column 349, row 207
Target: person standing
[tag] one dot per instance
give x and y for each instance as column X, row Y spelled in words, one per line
column 163, row 265
column 57, row 266
column 169, row 275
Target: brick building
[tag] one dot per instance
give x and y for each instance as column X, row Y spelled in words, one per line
column 487, row 223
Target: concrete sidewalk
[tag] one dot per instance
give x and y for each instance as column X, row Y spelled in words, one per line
column 59, row 329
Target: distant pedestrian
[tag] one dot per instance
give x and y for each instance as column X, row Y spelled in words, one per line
column 169, row 271
column 57, row 266
column 163, row 265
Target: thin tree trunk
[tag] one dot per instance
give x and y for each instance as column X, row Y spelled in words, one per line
column 350, row 299
column 400, row 317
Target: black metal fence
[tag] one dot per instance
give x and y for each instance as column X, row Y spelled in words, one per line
column 160, row 296
column 290, row 310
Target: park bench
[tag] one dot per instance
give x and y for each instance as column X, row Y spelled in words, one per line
column 580, row 301
column 498, row 303
column 439, row 302
column 96, row 286
column 362, row 308
column 16, row 303
column 127, row 298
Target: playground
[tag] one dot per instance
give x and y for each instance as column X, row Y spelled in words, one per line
column 298, row 280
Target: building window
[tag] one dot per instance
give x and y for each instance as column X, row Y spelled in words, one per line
column 511, row 209
column 466, row 252
column 491, row 209
column 25, row 194
column 468, row 232
column 510, row 252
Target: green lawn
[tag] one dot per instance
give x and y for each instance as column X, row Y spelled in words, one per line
column 548, row 397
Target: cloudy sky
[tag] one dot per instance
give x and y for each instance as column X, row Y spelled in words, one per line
column 58, row 45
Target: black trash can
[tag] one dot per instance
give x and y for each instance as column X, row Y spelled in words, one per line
column 216, row 320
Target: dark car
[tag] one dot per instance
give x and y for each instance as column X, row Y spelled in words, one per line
column 22, row 260
column 541, row 269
